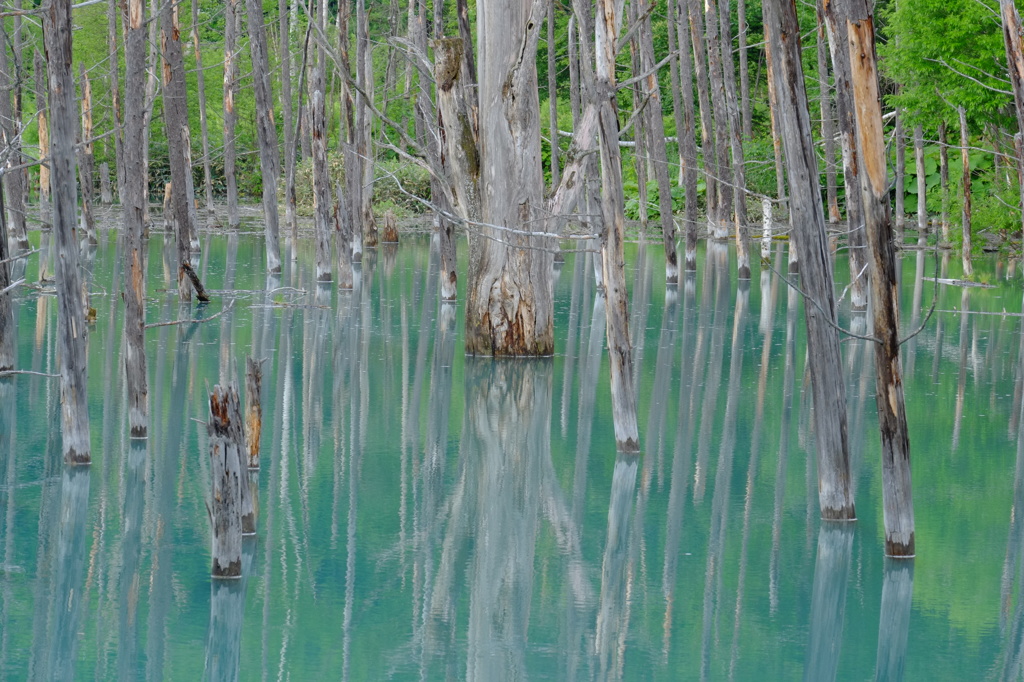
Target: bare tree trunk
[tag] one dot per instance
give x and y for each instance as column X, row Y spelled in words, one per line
column 10, row 136
column 71, row 318
column 176, row 125
column 19, row 202
column 741, row 31
column 900, row 142
column 922, row 185
column 8, row 330
column 719, row 214
column 133, row 199
column 509, row 310
column 291, row 217
column 225, row 432
column 323, row 202
column 944, row 184
column 828, row 126
column 739, row 175
column 808, row 225
column 965, row 213
column 114, row 70
column 656, row 126
column 266, row 132
column 253, row 411
column 627, row 437
column 85, row 149
column 201, row 96
column 685, row 133
column 897, row 500
column 1015, row 60
column 773, row 108
column 364, row 126
column 552, row 96
column 707, row 144
column 837, row 36
column 151, row 86
column 231, row 23
column 43, row 119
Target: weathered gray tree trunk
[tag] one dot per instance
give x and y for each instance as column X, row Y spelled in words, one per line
column 71, row 316
column 892, row 419
column 231, row 23
column 509, row 308
column 944, row 186
column 1013, row 40
column 685, row 132
column 627, row 436
column 900, row 210
column 835, row 10
column 133, row 199
column 201, row 96
column 808, row 224
column 922, row 185
column 10, row 129
column 225, row 432
column 965, row 212
column 741, row 34
column 291, row 217
column 152, row 68
column 114, row 71
column 700, row 55
column 266, row 132
column 85, row 156
column 659, row 154
column 43, row 121
column 827, row 122
column 253, row 411
column 323, row 203
column 364, row 126
column 176, row 125
column 719, row 211
column 739, row 176
column 552, row 96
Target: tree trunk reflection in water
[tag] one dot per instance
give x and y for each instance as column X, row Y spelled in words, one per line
column 828, row 601
column 961, row 383
column 580, row 292
column 662, row 378
column 130, row 579
column 1013, row 566
column 894, row 621
column 716, row 268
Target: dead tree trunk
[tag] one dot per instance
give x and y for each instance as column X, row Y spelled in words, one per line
column 253, row 411
column 133, row 198
column 808, row 225
column 152, row 81
column 828, row 126
column 176, row 125
column 225, row 432
column 656, row 127
column 900, row 142
column 965, row 213
column 835, row 11
column 552, row 96
column 364, row 126
column 1014, row 44
column 43, row 120
column 741, row 33
column 231, row 24
column 922, row 185
column 201, row 96
column 287, row 115
column 85, row 156
column 627, row 437
column 114, row 71
column 323, row 203
column 739, row 176
column 71, row 317
column 897, row 500
column 10, row 136
column 8, row 349
column 266, row 132
column 687, row 141
column 719, row 212
column 509, row 309
column 700, row 54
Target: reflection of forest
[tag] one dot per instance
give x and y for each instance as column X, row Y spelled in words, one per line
column 426, row 514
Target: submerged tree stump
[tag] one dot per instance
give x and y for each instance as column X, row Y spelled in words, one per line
column 390, row 232
column 225, row 432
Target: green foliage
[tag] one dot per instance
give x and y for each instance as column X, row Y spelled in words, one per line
column 401, row 187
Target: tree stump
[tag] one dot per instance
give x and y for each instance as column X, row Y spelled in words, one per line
column 253, row 411
column 390, row 231
column 225, row 432
column 106, row 194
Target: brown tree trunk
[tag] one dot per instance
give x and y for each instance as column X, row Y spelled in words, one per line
column 965, row 213
column 133, row 199
column 43, row 119
column 253, row 411
column 266, row 132
column 201, row 96
column 71, row 317
column 808, row 224
column 897, row 500
column 10, row 141
column 1014, row 45
column 231, row 24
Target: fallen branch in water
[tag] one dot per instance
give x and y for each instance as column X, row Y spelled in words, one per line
column 11, row 372
column 191, row 321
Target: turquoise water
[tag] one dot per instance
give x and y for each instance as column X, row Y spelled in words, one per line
column 424, row 515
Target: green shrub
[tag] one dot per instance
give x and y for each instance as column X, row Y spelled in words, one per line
column 399, row 186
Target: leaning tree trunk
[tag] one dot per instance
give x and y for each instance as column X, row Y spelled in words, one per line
column 133, row 199
column 965, row 213
column 627, row 437
column 10, row 140
column 509, row 309
column 71, row 316
column 808, row 225
column 230, row 117
column 897, row 501
column 176, row 125
column 266, row 132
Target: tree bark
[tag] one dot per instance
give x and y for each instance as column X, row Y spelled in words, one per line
column 85, row 156
column 552, row 96
column 43, row 119
column 253, row 411
column 627, row 437
column 1014, row 44
column 225, row 432
column 152, row 82
column 739, row 175
column 10, row 139
column 266, row 132
column 944, row 184
column 364, row 126
column 808, row 225
column 719, row 210
column 741, row 31
column 509, row 310
column 8, row 347
column 965, row 212
column 922, row 186
column 291, row 217
column 114, row 71
column 201, row 96
column 323, row 202
column 711, row 170
column 71, row 316
column 685, row 133
column 897, row 500
column 828, row 126
column 837, row 39
column 133, row 199
column 900, row 142
column 231, row 24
